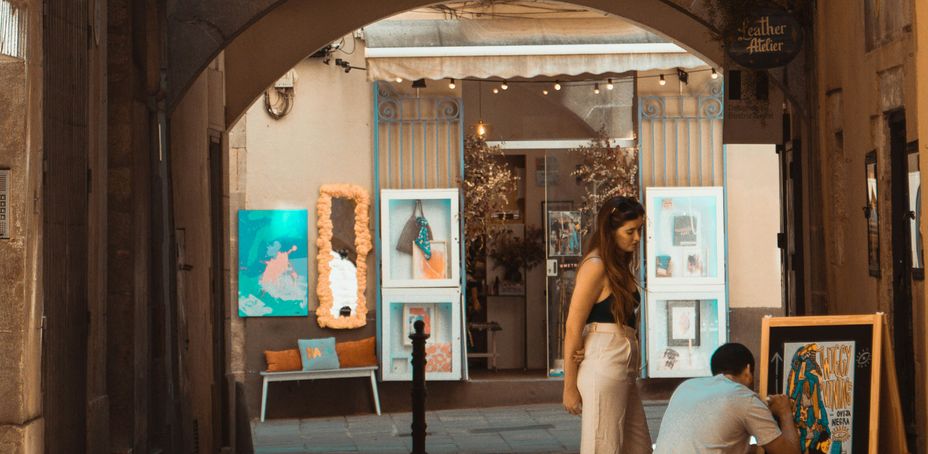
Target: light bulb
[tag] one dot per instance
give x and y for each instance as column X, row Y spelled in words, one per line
column 544, row 92
column 495, row 90
column 451, row 84
column 715, row 75
column 662, row 81
column 596, row 88
column 609, row 85
column 557, row 85
column 399, row 80
column 481, row 128
column 504, row 86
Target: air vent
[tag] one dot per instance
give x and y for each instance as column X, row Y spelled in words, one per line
column 4, row 204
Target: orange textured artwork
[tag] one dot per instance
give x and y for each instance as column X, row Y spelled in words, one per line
column 435, row 267
column 438, row 357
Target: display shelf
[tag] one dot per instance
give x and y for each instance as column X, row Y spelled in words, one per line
column 410, row 265
column 684, row 328
column 441, row 309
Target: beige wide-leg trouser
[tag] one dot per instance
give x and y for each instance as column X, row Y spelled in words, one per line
column 612, row 419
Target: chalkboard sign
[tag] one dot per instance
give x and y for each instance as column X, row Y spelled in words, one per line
column 831, row 367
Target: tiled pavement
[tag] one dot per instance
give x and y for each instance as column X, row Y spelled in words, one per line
column 544, row 428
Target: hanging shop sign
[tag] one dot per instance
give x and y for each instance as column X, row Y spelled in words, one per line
column 768, row 38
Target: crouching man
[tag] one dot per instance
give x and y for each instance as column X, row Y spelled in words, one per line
column 719, row 414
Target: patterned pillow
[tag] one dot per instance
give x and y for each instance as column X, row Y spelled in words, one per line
column 318, row 354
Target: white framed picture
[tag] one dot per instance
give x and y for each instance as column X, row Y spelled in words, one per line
column 404, row 240
column 685, row 243
column 683, row 329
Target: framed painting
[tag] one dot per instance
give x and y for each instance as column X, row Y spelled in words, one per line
column 413, row 313
column 683, row 323
column 273, row 274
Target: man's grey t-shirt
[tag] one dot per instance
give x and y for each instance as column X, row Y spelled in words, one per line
column 714, row 415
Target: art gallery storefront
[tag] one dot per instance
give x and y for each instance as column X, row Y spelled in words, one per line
column 493, row 278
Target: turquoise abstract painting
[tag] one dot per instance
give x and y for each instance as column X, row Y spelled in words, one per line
column 273, row 268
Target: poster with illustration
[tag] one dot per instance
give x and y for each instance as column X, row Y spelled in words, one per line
column 819, row 381
column 273, row 276
column 564, row 233
column 830, row 368
column 685, row 236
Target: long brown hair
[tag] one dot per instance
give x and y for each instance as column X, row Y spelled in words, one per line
column 620, row 265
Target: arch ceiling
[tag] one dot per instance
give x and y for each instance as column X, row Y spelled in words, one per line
column 262, row 39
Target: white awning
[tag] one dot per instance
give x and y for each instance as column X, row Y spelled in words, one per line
column 511, row 48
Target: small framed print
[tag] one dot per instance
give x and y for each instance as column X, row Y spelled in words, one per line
column 872, row 214
column 683, row 323
column 915, row 211
column 413, row 313
column 434, row 267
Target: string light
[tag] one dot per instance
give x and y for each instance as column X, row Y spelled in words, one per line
column 596, row 88
column 399, row 80
column 504, row 86
column 715, row 75
column 557, row 85
column 495, row 90
column 662, row 81
column 609, row 85
column 451, row 84
column 481, row 128
column 544, row 91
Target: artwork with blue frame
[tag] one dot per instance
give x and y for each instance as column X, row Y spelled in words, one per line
column 273, row 271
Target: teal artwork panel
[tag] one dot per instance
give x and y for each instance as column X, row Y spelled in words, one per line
column 273, row 263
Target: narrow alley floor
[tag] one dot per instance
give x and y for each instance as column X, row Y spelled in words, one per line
column 543, row 428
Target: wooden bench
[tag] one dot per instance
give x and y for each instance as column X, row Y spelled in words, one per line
column 320, row 375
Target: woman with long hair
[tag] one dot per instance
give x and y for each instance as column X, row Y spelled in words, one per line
column 601, row 328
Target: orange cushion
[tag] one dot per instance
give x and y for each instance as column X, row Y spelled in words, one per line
column 283, row 360
column 358, row 353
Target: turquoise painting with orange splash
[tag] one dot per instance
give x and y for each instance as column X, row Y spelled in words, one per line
column 273, row 263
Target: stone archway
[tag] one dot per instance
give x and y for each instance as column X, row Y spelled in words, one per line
column 264, row 39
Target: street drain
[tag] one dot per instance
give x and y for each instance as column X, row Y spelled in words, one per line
column 487, row 430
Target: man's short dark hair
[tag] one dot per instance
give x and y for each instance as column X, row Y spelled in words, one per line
column 731, row 359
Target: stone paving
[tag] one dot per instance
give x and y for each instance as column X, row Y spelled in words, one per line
column 544, row 428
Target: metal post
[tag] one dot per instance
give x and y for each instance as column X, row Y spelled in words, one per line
column 418, row 387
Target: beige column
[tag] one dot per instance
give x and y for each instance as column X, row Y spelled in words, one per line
column 21, row 423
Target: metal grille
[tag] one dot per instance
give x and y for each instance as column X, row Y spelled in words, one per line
column 419, row 141
column 680, row 139
column 12, row 30
column 4, row 204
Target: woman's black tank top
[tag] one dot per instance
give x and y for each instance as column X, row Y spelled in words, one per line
column 602, row 312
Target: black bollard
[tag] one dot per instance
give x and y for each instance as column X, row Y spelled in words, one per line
column 418, row 387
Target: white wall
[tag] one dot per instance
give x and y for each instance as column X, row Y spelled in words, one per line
column 326, row 138
column 752, row 173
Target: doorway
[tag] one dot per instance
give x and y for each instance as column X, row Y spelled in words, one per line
column 903, row 332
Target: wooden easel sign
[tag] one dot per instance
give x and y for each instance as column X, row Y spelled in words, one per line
column 830, row 368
